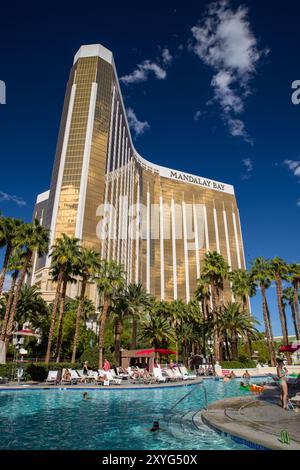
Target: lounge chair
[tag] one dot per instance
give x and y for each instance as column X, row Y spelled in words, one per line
column 66, row 381
column 52, row 377
column 293, row 385
column 110, row 378
column 157, row 374
column 83, row 377
column 170, row 375
column 75, row 378
column 121, row 374
column 185, row 374
column 178, row 374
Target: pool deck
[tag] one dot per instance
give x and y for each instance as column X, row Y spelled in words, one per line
column 254, row 420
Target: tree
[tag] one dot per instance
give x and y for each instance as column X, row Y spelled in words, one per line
column 294, row 270
column 31, row 307
column 15, row 264
column 215, row 271
column 279, row 270
column 243, row 287
column 138, row 301
column 31, row 238
column 156, row 331
column 8, row 229
column 288, row 296
column 261, row 274
column 176, row 312
column 89, row 264
column 234, row 322
column 110, row 281
column 202, row 294
column 64, row 253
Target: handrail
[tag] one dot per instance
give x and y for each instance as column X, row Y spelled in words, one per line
column 185, row 396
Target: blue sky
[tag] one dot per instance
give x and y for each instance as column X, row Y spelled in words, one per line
column 199, row 103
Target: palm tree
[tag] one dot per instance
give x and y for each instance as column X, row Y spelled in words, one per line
column 294, row 270
column 109, row 283
column 243, row 287
column 215, row 271
column 31, row 306
column 235, row 322
column 138, row 301
column 288, row 296
column 32, row 238
column 89, row 264
column 202, row 294
column 64, row 253
column 176, row 312
column 120, row 311
column 8, row 228
column 156, row 330
column 280, row 269
column 262, row 276
column 15, row 264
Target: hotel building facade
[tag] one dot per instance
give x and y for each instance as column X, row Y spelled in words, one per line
column 157, row 222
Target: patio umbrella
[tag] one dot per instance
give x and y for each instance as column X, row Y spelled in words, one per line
column 165, row 352
column 289, row 348
column 26, row 333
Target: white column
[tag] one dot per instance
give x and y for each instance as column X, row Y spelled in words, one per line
column 162, row 259
column 174, row 249
column 61, row 168
column 148, row 243
column 117, row 191
column 196, row 240
column 206, row 228
column 216, row 230
column 236, row 241
column 112, row 189
column 227, row 239
column 186, row 259
column 137, row 242
column 86, row 162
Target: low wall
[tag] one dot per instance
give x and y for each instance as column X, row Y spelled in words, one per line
column 257, row 371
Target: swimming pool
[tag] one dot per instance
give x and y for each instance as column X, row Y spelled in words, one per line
column 111, row 419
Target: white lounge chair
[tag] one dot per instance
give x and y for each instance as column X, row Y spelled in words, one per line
column 52, row 377
column 84, row 378
column 185, row 374
column 171, row 375
column 109, row 376
column 157, row 373
column 75, row 378
column 178, row 374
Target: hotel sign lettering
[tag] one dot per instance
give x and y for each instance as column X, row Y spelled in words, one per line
column 184, row 177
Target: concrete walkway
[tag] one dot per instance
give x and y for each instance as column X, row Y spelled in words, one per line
column 256, row 420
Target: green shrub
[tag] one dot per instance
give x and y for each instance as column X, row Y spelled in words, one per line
column 238, row 365
column 37, row 371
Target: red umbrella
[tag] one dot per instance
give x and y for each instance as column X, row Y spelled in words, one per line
column 159, row 350
column 289, row 348
column 25, row 333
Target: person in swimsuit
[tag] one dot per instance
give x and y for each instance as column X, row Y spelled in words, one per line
column 281, row 374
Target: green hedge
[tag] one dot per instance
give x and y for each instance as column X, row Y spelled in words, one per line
column 37, row 371
column 248, row 364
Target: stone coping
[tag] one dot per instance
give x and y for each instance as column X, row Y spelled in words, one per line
column 253, row 421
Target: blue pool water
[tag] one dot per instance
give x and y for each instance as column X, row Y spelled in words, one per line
column 111, row 419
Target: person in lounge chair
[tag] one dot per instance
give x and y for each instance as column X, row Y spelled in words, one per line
column 67, row 376
column 85, row 368
column 281, row 374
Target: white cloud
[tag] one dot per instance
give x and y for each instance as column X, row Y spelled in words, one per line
column 137, row 126
column 294, row 166
column 198, row 115
column 225, row 42
column 166, row 56
column 5, row 197
column 298, row 203
column 248, row 164
column 145, row 68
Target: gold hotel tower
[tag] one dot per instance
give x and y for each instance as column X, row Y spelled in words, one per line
column 163, row 221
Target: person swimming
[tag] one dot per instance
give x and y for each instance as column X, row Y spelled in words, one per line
column 86, row 396
column 155, row 426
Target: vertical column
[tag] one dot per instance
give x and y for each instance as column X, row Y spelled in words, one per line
column 216, row 230
column 174, row 249
column 148, row 242
column 113, row 176
column 206, row 228
column 162, row 259
column 186, row 259
column 236, row 241
column 196, row 240
column 137, row 242
column 227, row 239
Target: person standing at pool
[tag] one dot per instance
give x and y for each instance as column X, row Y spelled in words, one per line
column 106, row 366
column 281, row 374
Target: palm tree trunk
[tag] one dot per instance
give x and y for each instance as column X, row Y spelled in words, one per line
column 247, row 342
column 267, row 325
column 177, row 352
column 215, row 318
column 282, row 315
column 53, row 315
column 118, row 334
column 227, row 347
column 102, row 330
column 294, row 320
column 273, row 357
column 8, row 304
column 234, row 348
column 133, row 334
column 16, row 298
column 4, row 266
column 60, row 320
column 78, row 319
column 296, row 305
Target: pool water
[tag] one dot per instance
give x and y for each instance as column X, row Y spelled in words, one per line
column 110, row 419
